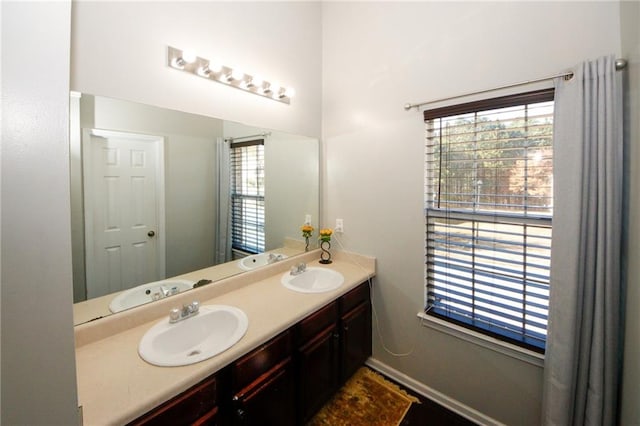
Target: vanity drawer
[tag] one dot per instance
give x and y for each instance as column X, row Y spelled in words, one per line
column 354, row 297
column 316, row 322
column 261, row 360
column 196, row 403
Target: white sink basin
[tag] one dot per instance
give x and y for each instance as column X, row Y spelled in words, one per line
column 211, row 331
column 146, row 293
column 257, row 260
column 313, row 280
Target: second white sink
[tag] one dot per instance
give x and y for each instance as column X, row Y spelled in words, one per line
column 213, row 330
column 146, row 293
column 313, row 280
column 257, row 260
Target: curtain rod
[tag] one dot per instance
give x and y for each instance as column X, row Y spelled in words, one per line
column 620, row 64
column 259, row 135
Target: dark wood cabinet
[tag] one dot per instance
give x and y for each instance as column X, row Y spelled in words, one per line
column 356, row 340
column 284, row 381
column 195, row 406
column 355, row 329
column 318, row 363
column 263, row 385
column 332, row 344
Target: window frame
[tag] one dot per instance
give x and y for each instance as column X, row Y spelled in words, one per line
column 520, row 99
column 247, row 235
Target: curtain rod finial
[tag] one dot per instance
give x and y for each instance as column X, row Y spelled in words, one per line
column 408, row 106
column 621, row 64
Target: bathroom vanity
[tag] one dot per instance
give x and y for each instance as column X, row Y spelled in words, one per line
column 298, row 349
column 285, row 380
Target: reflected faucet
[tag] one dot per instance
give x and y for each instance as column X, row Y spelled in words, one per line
column 298, row 269
column 274, row 258
column 163, row 292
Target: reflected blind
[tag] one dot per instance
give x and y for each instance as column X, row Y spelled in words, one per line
column 247, row 196
column 489, row 207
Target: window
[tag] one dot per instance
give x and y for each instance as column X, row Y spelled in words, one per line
column 488, row 207
column 247, row 196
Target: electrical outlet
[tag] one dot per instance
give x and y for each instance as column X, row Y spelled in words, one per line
column 307, row 219
column 339, row 225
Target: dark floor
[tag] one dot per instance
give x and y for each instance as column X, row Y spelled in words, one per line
column 429, row 413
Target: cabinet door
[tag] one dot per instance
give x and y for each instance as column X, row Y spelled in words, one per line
column 192, row 406
column 269, row 400
column 356, row 340
column 209, row 419
column 318, row 372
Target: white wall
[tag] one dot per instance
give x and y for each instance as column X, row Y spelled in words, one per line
column 291, row 179
column 38, row 367
column 630, row 22
column 377, row 57
column 119, row 50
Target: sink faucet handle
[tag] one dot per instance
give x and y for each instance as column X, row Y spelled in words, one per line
column 195, row 306
column 174, row 314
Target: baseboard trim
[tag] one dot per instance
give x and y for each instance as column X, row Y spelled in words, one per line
column 438, row 397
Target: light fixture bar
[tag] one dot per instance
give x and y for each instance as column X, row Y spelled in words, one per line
column 184, row 61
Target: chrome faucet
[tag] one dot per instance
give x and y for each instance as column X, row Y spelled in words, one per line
column 163, row 292
column 169, row 291
column 187, row 311
column 274, row 258
column 298, row 269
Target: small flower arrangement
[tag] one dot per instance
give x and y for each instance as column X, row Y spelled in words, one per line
column 325, row 234
column 307, row 230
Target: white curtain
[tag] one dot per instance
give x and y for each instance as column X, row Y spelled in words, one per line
column 584, row 345
column 223, row 225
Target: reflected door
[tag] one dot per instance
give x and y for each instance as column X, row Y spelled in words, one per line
column 122, row 201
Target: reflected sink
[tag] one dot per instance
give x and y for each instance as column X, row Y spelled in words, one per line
column 313, row 280
column 257, row 260
column 213, row 330
column 146, row 293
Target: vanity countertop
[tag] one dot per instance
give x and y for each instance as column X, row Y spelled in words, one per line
column 116, row 386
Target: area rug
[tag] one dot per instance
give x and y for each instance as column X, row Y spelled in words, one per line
column 366, row 399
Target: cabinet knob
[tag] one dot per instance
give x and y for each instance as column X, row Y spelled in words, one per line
column 242, row 415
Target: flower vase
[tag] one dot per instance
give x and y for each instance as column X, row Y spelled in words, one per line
column 325, row 256
column 306, row 243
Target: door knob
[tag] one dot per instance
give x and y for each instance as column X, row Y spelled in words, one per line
column 151, row 233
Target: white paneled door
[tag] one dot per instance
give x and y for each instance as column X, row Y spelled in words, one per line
column 123, row 201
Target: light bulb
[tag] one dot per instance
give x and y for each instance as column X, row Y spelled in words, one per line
column 215, row 67
column 178, row 63
column 274, row 89
column 237, row 75
column 204, row 71
column 256, row 81
column 189, row 56
column 290, row 92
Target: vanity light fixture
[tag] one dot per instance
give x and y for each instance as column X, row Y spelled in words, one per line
column 213, row 71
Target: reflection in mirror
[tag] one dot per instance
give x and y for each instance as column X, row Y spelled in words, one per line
column 157, row 194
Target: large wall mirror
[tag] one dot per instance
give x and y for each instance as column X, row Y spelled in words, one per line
column 158, row 193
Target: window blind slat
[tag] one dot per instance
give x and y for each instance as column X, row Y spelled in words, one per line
column 247, row 196
column 488, row 206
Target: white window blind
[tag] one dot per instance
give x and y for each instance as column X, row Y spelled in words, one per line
column 488, row 206
column 247, row 196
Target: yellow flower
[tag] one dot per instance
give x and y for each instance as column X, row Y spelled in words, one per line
column 307, row 230
column 325, row 234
